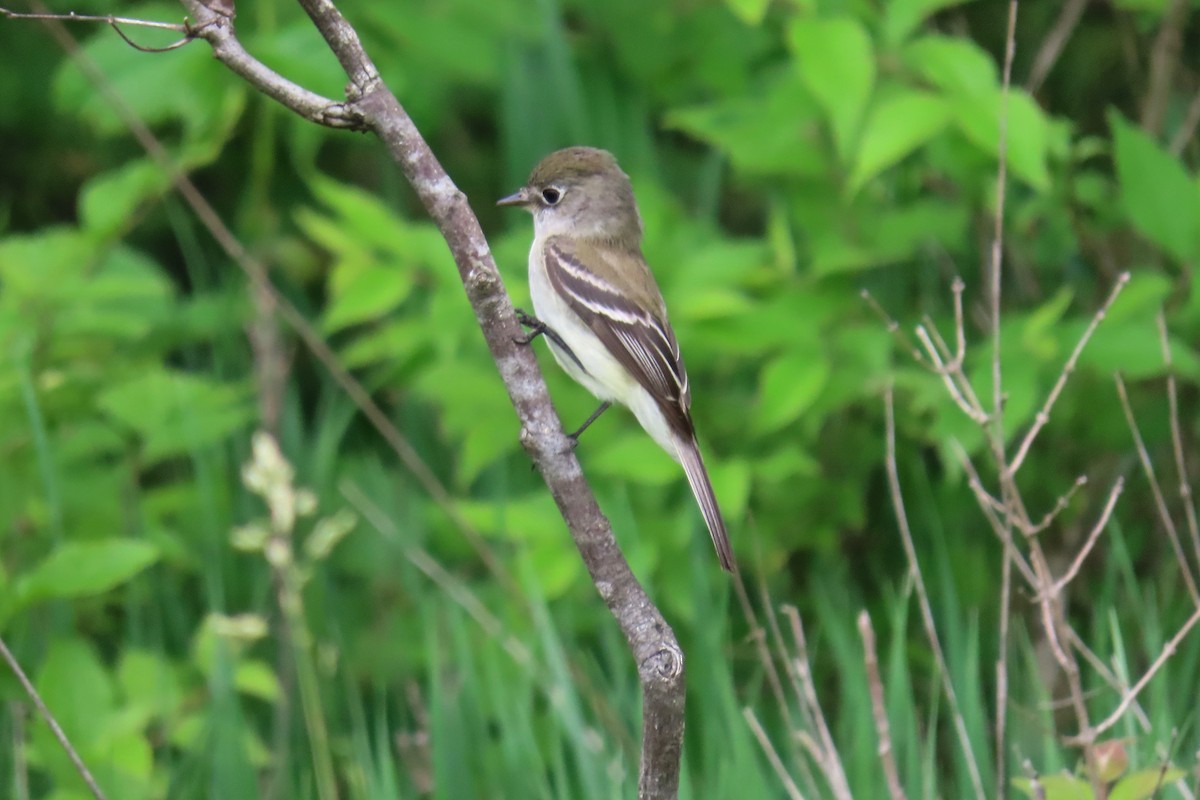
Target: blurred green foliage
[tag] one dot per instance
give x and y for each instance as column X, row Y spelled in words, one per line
column 787, row 157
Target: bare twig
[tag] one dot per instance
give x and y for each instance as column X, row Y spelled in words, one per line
column 1160, row 502
column 893, row 474
column 1187, row 128
column 1060, row 505
column 990, row 506
column 452, row 587
column 1010, row 48
column 1167, row 651
column 1052, row 45
column 948, row 373
column 893, row 327
column 178, row 43
column 1185, row 486
column 1043, row 414
column 768, row 747
column 1108, row 676
column 32, row 693
column 109, row 19
column 1092, row 538
column 1164, row 58
column 887, row 756
column 1001, row 725
column 760, row 635
column 824, row 750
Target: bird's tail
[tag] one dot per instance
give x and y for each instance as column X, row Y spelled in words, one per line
column 697, row 475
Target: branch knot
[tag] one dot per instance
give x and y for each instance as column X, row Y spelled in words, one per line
column 665, row 664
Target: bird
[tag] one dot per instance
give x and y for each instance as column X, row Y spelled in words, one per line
column 602, row 313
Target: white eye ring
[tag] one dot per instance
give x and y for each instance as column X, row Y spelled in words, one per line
column 551, row 195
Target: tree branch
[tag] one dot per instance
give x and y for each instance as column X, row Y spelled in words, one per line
column 371, row 106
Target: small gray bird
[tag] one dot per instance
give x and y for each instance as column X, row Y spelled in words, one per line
column 602, row 312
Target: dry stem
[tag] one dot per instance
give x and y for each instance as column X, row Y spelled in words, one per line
column 893, row 474
column 878, row 706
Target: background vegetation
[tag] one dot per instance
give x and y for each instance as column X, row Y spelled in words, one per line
column 401, row 632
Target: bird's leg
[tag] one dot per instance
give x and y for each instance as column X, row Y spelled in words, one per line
column 535, row 325
column 536, row 329
column 574, row 437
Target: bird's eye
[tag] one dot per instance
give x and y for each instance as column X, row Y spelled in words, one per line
column 551, row 195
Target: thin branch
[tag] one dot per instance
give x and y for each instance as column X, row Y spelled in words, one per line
column 1043, row 414
column 759, row 635
column 32, row 693
column 1160, row 502
column 451, row 586
column 893, row 327
column 1187, row 128
column 893, row 474
column 1167, row 651
column 1010, row 48
column 1001, row 743
column 824, row 750
column 1185, row 486
column 990, row 506
column 1060, row 505
column 887, row 755
column 764, row 741
column 146, row 48
column 108, row 19
column 218, row 31
column 1109, row 676
column 1164, row 58
column 948, row 378
column 1053, row 44
column 1092, row 538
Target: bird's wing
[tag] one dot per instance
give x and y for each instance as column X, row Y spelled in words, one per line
column 640, row 338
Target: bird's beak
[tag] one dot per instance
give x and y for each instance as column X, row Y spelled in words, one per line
column 517, row 198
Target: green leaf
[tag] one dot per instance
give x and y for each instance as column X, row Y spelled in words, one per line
column 77, row 689
column 731, row 480
column 837, row 63
column 368, row 294
column 1160, row 198
column 789, row 385
column 81, row 569
column 1144, row 784
column 1056, row 787
column 149, row 686
column 257, row 679
column 1131, row 347
column 393, row 342
column 1038, row 333
column 176, row 412
column 1027, row 132
column 109, row 201
column 771, row 132
column 956, row 66
column 904, row 16
column 750, row 12
column 895, row 128
column 467, row 392
column 1142, row 298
